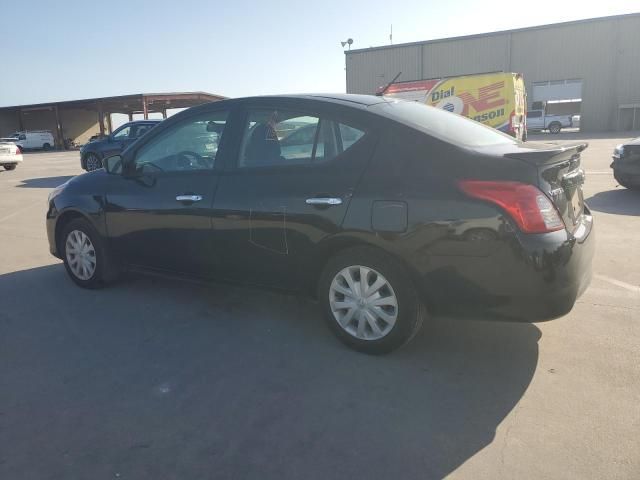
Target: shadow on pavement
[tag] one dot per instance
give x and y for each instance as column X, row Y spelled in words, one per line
column 155, row 378
column 44, row 182
column 620, row 201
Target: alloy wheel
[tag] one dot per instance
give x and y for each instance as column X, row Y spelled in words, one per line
column 93, row 163
column 81, row 255
column 363, row 302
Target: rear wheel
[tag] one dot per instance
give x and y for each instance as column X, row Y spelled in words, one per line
column 369, row 300
column 92, row 162
column 10, row 167
column 555, row 127
column 85, row 257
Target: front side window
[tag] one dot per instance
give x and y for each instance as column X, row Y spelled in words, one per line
column 534, row 114
column 123, row 133
column 190, row 145
column 285, row 138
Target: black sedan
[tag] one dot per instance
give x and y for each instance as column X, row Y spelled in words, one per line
column 384, row 210
column 93, row 153
column 626, row 164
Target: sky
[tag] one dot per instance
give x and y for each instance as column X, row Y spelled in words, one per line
column 66, row 50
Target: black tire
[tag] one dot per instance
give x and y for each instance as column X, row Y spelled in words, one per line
column 46, row 147
column 410, row 313
column 92, row 162
column 105, row 270
column 555, row 128
column 10, row 167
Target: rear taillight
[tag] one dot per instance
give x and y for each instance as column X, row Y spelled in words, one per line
column 531, row 209
column 18, row 151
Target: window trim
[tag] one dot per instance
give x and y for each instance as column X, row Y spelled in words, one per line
column 242, row 118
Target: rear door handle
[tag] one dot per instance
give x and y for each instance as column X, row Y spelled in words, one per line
column 324, row 201
column 189, row 198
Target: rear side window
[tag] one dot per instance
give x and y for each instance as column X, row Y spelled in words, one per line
column 142, row 129
column 450, row 127
column 283, row 138
column 534, row 114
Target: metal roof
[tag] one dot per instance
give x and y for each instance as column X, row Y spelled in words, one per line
column 499, row 32
column 128, row 103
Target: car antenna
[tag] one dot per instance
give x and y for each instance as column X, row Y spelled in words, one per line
column 386, row 87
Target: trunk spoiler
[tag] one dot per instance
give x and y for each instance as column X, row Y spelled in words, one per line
column 547, row 154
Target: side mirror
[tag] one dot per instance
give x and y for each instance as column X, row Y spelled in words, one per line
column 113, row 165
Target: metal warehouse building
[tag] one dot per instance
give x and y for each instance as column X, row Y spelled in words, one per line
column 590, row 65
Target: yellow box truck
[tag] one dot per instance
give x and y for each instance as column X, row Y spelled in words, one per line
column 497, row 99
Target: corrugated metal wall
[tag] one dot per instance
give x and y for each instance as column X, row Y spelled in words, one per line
column 604, row 53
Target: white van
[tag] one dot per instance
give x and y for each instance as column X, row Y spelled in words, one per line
column 34, row 139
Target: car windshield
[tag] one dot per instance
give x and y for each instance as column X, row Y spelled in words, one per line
column 447, row 126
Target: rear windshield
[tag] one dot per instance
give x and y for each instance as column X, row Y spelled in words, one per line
column 449, row 127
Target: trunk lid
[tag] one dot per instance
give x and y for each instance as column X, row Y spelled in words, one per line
column 560, row 176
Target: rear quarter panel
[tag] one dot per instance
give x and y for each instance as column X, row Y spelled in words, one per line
column 449, row 237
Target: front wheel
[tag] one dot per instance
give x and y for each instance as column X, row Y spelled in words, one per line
column 555, row 127
column 85, row 257
column 46, row 147
column 92, row 162
column 10, row 167
column 369, row 300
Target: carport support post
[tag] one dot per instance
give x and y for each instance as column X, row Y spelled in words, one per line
column 21, row 119
column 130, row 117
column 101, row 119
column 60, row 135
column 109, row 123
column 164, row 113
column 145, row 110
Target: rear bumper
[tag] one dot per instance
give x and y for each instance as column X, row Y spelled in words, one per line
column 533, row 278
column 10, row 159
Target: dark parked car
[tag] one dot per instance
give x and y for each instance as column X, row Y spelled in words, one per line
column 626, row 164
column 92, row 154
column 393, row 210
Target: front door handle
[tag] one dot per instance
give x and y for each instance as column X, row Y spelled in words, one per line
column 189, row 198
column 324, row 201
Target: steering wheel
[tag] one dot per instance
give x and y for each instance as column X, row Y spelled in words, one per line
column 187, row 160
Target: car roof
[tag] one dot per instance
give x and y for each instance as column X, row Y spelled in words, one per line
column 353, row 100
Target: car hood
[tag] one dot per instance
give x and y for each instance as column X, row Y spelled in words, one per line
column 635, row 141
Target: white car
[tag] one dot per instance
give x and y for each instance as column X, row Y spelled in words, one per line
column 10, row 155
column 33, row 140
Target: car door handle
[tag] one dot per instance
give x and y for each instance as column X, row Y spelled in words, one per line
column 325, row 201
column 189, row 198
